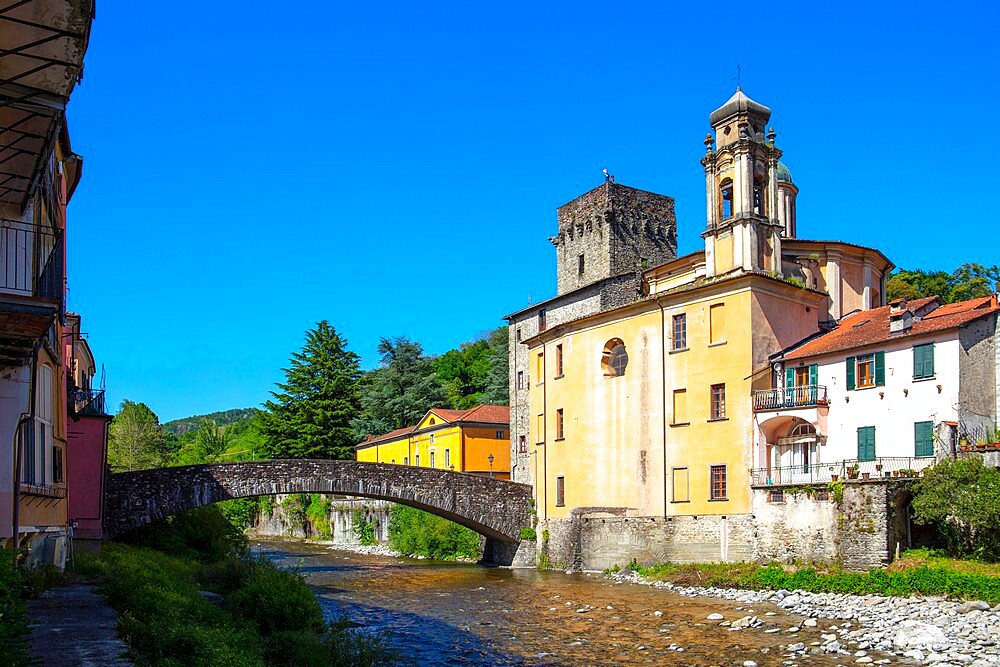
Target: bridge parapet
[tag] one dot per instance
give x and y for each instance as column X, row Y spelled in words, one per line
column 495, row 508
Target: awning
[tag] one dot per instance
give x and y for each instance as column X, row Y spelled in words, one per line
column 42, row 43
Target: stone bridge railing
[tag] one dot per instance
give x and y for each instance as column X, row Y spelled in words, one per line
column 495, row 508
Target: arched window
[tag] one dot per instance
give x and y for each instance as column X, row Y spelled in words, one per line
column 726, row 199
column 615, row 358
column 802, row 429
column 758, row 195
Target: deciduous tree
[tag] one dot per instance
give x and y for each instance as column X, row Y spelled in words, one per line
column 135, row 438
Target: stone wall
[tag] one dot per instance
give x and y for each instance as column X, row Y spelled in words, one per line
column 978, row 372
column 287, row 519
column 595, row 539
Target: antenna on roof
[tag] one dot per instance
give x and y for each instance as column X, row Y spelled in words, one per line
column 739, row 75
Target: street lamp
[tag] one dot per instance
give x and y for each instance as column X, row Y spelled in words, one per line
column 490, row 459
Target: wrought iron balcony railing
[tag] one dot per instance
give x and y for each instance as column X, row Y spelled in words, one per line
column 88, row 402
column 783, row 398
column 821, row 473
column 30, row 260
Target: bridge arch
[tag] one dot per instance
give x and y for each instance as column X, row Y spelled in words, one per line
column 495, row 508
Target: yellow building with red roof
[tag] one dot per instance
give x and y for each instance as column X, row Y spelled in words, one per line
column 476, row 440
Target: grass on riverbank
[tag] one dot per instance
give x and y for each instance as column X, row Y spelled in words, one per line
column 916, row 572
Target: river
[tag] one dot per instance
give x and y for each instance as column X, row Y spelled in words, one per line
column 447, row 614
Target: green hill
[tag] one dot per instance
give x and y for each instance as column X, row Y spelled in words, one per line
column 222, row 418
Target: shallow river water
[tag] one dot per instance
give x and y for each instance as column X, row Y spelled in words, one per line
column 461, row 614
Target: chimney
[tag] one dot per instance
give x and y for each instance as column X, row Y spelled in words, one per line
column 900, row 317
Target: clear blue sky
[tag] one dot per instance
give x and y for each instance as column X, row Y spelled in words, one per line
column 252, row 168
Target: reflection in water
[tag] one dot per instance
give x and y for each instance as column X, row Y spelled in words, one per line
column 457, row 614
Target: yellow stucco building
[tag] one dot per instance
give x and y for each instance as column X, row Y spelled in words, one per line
column 475, row 440
column 639, row 417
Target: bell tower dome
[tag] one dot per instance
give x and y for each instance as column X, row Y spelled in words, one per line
column 744, row 227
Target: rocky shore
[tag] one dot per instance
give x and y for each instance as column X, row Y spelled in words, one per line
column 921, row 631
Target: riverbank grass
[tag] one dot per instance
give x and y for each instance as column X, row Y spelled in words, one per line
column 920, row 572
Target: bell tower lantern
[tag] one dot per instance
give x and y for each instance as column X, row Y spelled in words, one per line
column 745, row 226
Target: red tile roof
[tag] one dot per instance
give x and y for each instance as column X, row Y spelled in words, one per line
column 488, row 414
column 871, row 327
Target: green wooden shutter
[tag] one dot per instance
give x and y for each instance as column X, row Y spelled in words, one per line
column 879, row 369
column 789, row 378
column 923, row 361
column 866, row 443
column 923, row 438
column 850, row 372
column 813, row 381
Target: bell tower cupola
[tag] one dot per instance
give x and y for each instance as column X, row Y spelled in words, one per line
column 745, row 221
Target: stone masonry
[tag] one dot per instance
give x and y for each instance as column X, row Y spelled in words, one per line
column 495, row 508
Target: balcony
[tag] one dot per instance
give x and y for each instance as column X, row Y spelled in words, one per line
column 821, row 473
column 31, row 287
column 88, row 403
column 787, row 398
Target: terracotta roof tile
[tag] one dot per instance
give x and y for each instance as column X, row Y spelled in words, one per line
column 391, row 435
column 488, row 414
column 871, row 327
column 491, row 414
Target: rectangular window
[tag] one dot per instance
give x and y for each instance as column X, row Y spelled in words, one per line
column 432, row 438
column 560, row 491
column 776, row 496
column 520, row 380
column 923, row 361
column 540, row 429
column 500, row 435
column 866, row 370
column 680, row 406
column 717, row 475
column 866, row 443
column 559, row 424
column 718, row 401
column 923, row 438
column 519, row 334
column 432, row 459
column 541, row 320
column 559, row 361
column 680, row 332
column 522, row 444
column 681, row 485
column 447, row 458
column 416, row 460
column 579, row 265
column 717, row 323
column 57, row 465
column 540, row 368
column 406, row 460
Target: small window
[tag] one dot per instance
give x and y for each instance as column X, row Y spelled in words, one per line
column 520, row 380
column 518, row 334
column 776, row 496
column 447, row 458
column 432, row 438
column 559, row 360
column 726, row 190
column 541, row 320
column 923, row 438
column 579, row 265
column 866, row 443
column 718, row 401
column 718, row 482
column 522, row 444
column 680, row 406
column 416, row 460
column 432, row 459
column 540, row 368
column 680, row 332
column 431, row 421
column 560, row 491
column 758, row 195
column 923, row 361
column 57, row 465
column 406, row 460
column 500, row 435
column 717, row 323
column 866, row 370
column 615, row 358
column 559, row 424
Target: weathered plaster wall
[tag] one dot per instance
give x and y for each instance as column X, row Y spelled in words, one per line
column 977, row 399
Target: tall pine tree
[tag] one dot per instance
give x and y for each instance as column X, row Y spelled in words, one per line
column 311, row 413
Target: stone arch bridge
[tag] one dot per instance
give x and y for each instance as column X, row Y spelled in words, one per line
column 494, row 508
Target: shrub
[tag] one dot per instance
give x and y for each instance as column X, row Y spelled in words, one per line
column 414, row 532
column 13, row 613
column 962, row 499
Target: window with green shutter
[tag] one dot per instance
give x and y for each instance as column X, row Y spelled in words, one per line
column 866, row 443
column 923, row 438
column 923, row 361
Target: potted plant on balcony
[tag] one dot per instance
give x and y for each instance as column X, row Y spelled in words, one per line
column 852, row 472
column 833, row 476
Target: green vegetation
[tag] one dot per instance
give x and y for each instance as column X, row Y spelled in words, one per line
column 311, row 413
column 476, row 372
column 136, row 439
column 13, row 613
column 363, row 527
column 318, row 513
column 222, row 418
column 528, row 534
column 968, row 281
column 417, row 533
column 962, row 499
column 267, row 616
column 918, row 571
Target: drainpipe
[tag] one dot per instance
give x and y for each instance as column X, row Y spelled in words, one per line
column 544, row 434
column 19, row 454
column 663, row 389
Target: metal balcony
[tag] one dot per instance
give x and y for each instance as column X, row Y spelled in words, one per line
column 821, row 473
column 88, row 403
column 785, row 398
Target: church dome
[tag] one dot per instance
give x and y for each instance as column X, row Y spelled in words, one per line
column 784, row 176
column 736, row 104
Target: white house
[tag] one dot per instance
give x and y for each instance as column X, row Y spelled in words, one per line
column 887, row 389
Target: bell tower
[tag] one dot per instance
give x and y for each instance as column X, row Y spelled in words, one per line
column 744, row 227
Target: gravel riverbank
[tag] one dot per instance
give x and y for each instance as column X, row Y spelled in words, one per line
column 924, row 631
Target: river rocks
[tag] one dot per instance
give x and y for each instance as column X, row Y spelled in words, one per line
column 926, row 631
column 715, row 617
